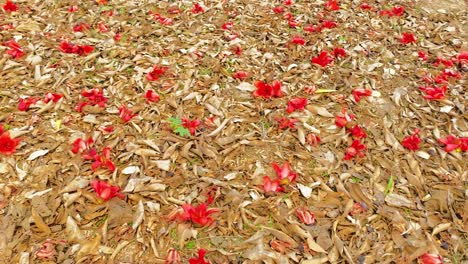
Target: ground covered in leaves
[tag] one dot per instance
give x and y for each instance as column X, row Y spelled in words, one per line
column 233, row 131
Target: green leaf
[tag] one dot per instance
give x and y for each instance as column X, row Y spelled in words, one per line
column 190, row 245
column 106, row 8
column 182, row 131
column 389, row 185
column 174, row 121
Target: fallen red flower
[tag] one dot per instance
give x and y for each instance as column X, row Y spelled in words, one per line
column 197, row 8
column 332, row 5
column 14, row 49
column 152, row 96
column 271, row 185
column 156, row 73
column 306, row 216
column 69, row 47
column 52, row 97
column 172, row 257
column 227, row 26
column 339, row 52
column 463, row 57
column 278, row 9
column 126, row 114
column 298, row 40
column 288, row 2
column 47, row 250
column 81, row 27
column 431, row 259
column 327, row 24
column 398, row 10
column 80, row 145
column 284, row 173
column 356, row 149
column 284, row 123
column 103, row 160
column 106, row 191
column 313, row 139
column 241, row 75
column 445, row 62
column 357, row 132
column 422, row 55
column 357, row 93
column 412, row 142
column 7, row 144
column 198, row 215
column 191, row 125
column 73, row 8
column 95, row 96
column 25, row 103
column 407, row 38
column 293, row 23
column 267, row 91
column 9, row 6
column 200, row 259
column 341, row 121
column 323, row 59
column 452, row 143
column 310, row 28
column 102, row 27
column 296, row 104
column 366, row 6
column 434, row 93
column 237, row 50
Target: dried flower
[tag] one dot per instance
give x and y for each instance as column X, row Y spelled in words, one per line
column 313, row 139
column 106, row 191
column 305, row 215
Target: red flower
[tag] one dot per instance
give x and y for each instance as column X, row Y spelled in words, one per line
column 267, row 91
column 293, row 23
column 68, row 47
column 241, row 75
column 327, row 24
column 431, row 259
column 102, row 27
column 332, row 5
column 296, row 104
column 452, row 143
column 288, row 2
column 81, row 27
column 47, row 250
column 366, row 6
column 356, row 149
column 197, row 8
column 288, row 16
column 447, row 63
column 103, row 160
column 117, row 37
column 227, row 26
column 278, row 9
column 172, row 257
column 197, row 215
column 157, row 72
column 284, row 123
column 191, row 125
column 298, row 40
column 339, row 52
column 152, row 96
column 407, row 38
column 323, row 59
column 422, row 55
column 412, row 142
column 237, row 50
column 313, row 139
column 310, row 28
column 10, row 6
column 434, row 93
column 73, row 8
column 7, row 144
column 306, row 216
column 358, row 132
column 95, row 96
column 357, row 93
column 14, row 49
column 284, row 173
column 126, row 114
column 105, row 129
column 271, row 186
column 358, row 208
column 451, row 73
column 174, row 10
column 80, row 145
column 200, row 259
column 398, row 10
column 25, row 103
column 462, row 57
column 52, row 96
column 106, row 191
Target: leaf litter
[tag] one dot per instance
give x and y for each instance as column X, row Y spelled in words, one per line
column 143, row 132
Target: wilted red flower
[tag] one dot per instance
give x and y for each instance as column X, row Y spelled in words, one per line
column 200, row 259
column 227, row 26
column 422, row 55
column 288, row 2
column 7, row 144
column 358, row 208
column 332, row 5
column 305, row 215
column 407, row 37
column 126, row 114
column 278, row 9
column 102, row 27
column 323, row 59
column 52, row 97
column 152, row 96
column 293, row 22
column 80, row 145
column 69, row 47
column 434, row 93
column 7, row 27
column 357, row 132
column 174, row 10
column 95, row 96
column 271, row 185
column 431, row 259
column 198, row 215
column 241, row 75
column 327, row 24
column 398, row 10
column 439, row 60
column 105, row 129
column 236, row 50
column 298, row 40
column 296, row 104
column 341, row 121
column 157, row 72
column 9, row 6
column 451, row 73
column 81, row 27
column 339, row 52
column 103, row 160
column 452, row 143
column 25, row 103
column 172, row 257
column 106, row 191
column 310, row 28
column 280, row 246
column 366, row 6
column 412, row 142
column 357, row 93
column 284, row 173
column 284, row 123
column 191, row 125
column 47, row 250
column 197, row 8
column 312, row 139
column 267, row 91
column 73, row 8
column 14, row 48
column 356, row 149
